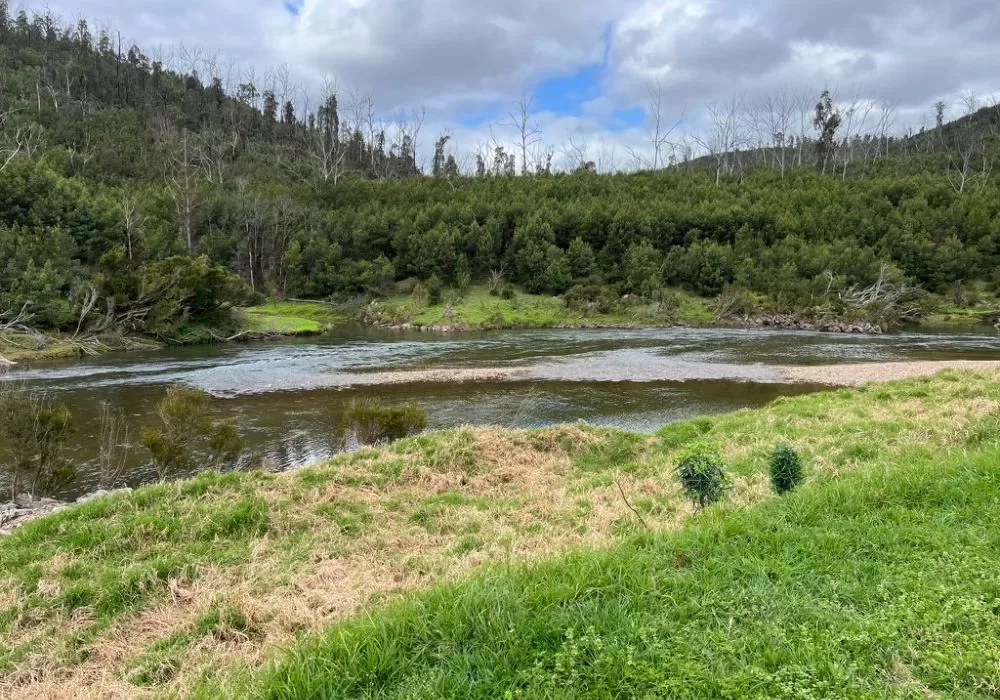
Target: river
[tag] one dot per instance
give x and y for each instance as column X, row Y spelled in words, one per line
column 286, row 397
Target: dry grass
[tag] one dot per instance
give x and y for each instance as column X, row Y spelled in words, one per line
column 365, row 528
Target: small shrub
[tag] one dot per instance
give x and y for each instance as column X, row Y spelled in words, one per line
column 434, row 289
column 374, row 424
column 786, row 469
column 187, row 436
column 703, row 477
column 34, row 429
column 420, row 296
column 591, row 297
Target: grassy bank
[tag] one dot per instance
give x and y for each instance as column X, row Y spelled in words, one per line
column 476, row 309
column 291, row 318
column 194, row 586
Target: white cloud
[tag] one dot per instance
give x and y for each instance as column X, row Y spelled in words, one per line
column 456, row 57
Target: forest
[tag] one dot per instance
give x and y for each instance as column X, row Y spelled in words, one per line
column 137, row 198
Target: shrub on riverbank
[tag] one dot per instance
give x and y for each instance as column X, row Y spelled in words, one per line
column 702, row 474
column 373, row 423
column 34, row 429
column 188, row 439
column 787, row 471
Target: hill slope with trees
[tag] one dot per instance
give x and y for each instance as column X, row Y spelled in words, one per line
column 135, row 199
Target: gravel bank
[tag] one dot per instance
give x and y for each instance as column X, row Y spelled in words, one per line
column 858, row 374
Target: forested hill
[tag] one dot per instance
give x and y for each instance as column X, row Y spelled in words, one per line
column 137, row 199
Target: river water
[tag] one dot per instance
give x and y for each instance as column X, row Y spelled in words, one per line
column 286, row 397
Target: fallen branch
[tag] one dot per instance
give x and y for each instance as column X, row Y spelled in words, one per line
column 629, row 505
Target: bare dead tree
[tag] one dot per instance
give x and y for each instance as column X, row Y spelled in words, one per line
column 855, row 116
column 416, row 123
column 728, row 132
column 133, row 219
column 658, row 133
column 607, row 157
column 635, row 159
column 773, row 120
column 575, row 151
column 970, row 163
column 252, row 224
column 528, row 131
column 182, row 185
column 17, row 320
column 325, row 145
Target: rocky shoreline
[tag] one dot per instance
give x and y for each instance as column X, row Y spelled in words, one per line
column 24, row 509
column 793, row 322
column 789, row 322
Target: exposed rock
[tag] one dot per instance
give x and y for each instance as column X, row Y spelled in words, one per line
column 793, row 322
column 91, row 496
column 24, row 509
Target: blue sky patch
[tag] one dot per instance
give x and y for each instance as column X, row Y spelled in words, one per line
column 294, row 7
column 624, row 119
column 564, row 94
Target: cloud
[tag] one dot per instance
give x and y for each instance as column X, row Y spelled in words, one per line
column 594, row 60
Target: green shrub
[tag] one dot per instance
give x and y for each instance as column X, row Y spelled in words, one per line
column 34, row 429
column 434, row 289
column 703, row 477
column 591, row 297
column 187, row 437
column 374, row 424
column 786, row 469
column 420, row 296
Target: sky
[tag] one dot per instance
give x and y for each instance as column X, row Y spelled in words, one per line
column 588, row 66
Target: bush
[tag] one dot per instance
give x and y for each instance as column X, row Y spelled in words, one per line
column 188, row 437
column 786, row 469
column 374, row 424
column 420, row 296
column 591, row 297
column 434, row 289
column 34, row 430
column 703, row 477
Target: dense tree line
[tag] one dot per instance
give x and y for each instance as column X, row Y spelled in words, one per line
column 137, row 198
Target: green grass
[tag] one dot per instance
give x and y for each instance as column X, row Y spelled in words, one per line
column 883, row 583
column 476, row 309
column 491, row 562
column 291, row 318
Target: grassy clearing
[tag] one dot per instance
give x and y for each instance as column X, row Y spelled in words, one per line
column 291, row 318
column 192, row 587
column 476, row 309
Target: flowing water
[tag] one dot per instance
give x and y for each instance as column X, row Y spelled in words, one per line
column 286, row 397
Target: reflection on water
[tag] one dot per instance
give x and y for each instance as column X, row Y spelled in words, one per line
column 287, row 396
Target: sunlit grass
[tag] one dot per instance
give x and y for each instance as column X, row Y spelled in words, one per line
column 291, row 318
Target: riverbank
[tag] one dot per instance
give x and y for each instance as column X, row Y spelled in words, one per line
column 473, row 311
column 192, row 587
column 270, row 321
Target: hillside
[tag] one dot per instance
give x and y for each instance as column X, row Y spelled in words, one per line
column 541, row 562
column 137, row 201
